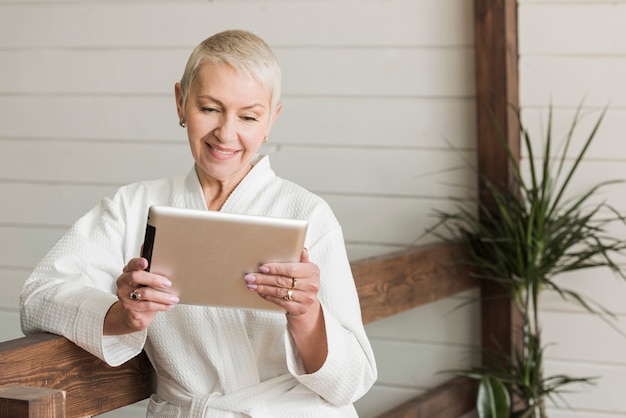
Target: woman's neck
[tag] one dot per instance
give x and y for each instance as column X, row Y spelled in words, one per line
column 216, row 191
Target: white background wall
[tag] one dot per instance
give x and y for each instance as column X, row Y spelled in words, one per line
column 570, row 51
column 375, row 93
column 372, row 92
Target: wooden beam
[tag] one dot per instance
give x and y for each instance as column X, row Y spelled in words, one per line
column 92, row 387
column 396, row 282
column 387, row 285
column 497, row 90
column 497, row 102
column 29, row 402
column 452, row 399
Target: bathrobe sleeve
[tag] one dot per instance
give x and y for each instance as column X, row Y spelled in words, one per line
column 71, row 290
column 350, row 369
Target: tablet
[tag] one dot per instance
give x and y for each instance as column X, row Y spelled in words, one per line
column 205, row 254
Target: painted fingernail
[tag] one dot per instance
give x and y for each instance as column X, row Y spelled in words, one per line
column 264, row 269
column 249, row 278
column 174, row 299
column 251, row 286
column 166, row 283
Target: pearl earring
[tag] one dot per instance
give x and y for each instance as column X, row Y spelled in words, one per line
column 182, row 123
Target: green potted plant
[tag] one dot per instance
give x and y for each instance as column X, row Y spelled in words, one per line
column 528, row 237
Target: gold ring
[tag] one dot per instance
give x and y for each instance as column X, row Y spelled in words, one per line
column 289, row 296
column 134, row 295
column 294, row 281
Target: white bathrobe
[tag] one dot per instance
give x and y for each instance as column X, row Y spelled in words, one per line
column 210, row 362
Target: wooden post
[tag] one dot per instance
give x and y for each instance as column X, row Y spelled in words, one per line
column 31, row 402
column 497, row 102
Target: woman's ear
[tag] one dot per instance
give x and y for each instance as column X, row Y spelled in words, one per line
column 279, row 107
column 178, row 94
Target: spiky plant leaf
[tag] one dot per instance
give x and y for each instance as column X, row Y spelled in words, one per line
column 493, row 399
column 527, row 237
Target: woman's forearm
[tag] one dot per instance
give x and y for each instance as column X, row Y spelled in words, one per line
column 309, row 334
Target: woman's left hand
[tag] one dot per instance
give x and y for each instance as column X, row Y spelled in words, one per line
column 292, row 286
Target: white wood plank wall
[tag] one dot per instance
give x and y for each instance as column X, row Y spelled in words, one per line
column 570, row 51
column 375, row 95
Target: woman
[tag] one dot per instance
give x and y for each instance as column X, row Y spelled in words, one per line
column 313, row 361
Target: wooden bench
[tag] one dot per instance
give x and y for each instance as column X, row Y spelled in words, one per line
column 45, row 375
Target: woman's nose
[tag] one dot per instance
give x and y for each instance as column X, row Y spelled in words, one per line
column 226, row 129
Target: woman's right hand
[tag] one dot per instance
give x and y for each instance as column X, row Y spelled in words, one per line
column 140, row 295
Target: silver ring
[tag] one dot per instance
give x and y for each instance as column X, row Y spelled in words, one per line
column 293, row 283
column 289, row 296
column 134, row 295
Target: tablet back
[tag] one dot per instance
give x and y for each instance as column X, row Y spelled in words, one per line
column 206, row 253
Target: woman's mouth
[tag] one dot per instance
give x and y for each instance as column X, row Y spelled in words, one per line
column 221, row 152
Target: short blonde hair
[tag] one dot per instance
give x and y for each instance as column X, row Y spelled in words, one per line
column 244, row 51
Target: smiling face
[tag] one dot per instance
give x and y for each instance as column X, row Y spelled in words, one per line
column 228, row 116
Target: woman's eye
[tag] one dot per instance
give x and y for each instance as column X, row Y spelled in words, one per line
column 209, row 109
column 250, row 119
